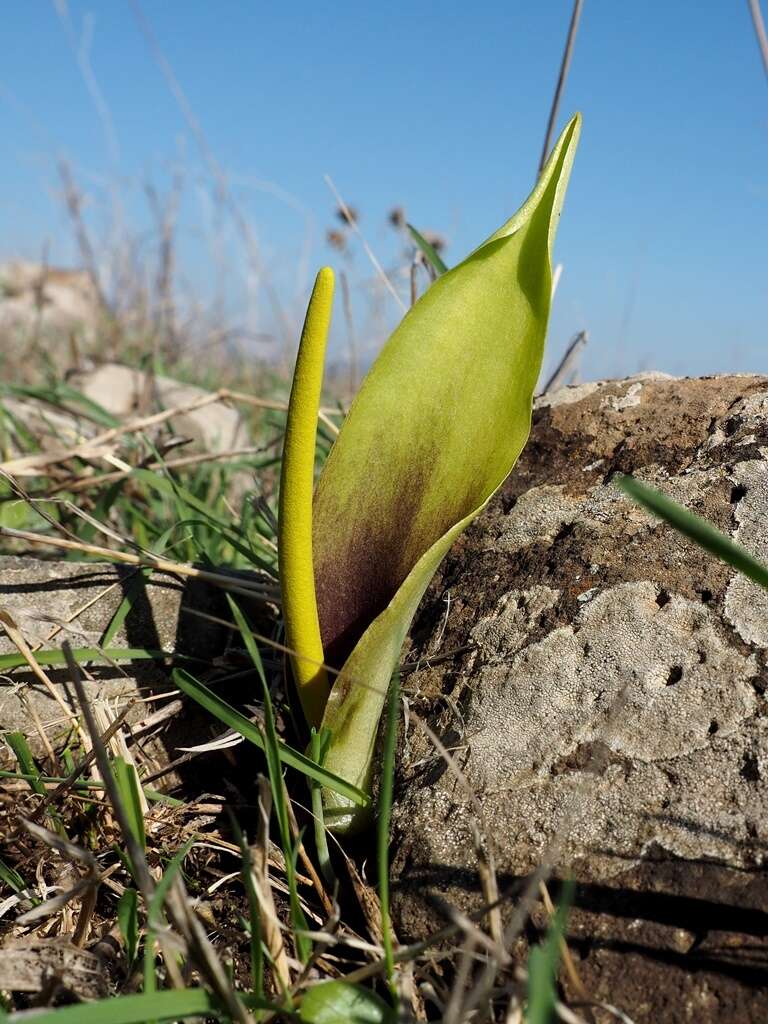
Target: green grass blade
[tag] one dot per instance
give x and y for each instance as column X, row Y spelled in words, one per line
column 134, row 591
column 17, row 741
column 695, row 528
column 30, row 773
column 60, row 393
column 83, row 785
column 80, row 654
column 137, row 1009
column 175, row 492
column 382, row 828
column 80, row 785
column 543, row 961
column 254, row 913
column 279, row 796
column 155, row 916
column 128, row 787
column 25, row 435
column 128, row 922
column 10, row 876
column 428, row 250
column 225, row 713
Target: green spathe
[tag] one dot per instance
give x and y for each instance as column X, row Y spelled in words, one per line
column 438, row 424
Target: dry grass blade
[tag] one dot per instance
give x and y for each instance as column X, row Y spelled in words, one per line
column 17, row 639
column 762, row 36
column 62, row 624
column 84, row 483
column 177, row 902
column 273, row 935
column 352, row 221
column 565, row 953
column 106, row 722
column 567, row 363
column 235, row 584
column 453, row 1011
column 368, row 901
column 474, row 935
column 143, row 879
column 564, row 1013
column 87, row 887
column 103, row 443
column 565, row 65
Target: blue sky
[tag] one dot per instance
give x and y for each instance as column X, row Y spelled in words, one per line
column 440, row 108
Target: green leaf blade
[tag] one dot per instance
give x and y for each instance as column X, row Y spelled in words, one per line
column 694, row 527
column 339, row 1002
column 209, row 700
column 428, row 250
column 138, row 1009
column 543, row 963
column 128, row 922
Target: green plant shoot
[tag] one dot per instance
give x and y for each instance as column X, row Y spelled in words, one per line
column 435, row 429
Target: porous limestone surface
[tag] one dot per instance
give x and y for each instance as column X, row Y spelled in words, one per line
column 746, row 603
column 600, row 680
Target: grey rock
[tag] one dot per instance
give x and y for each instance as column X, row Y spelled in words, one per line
column 51, row 602
column 120, row 390
column 37, row 300
column 610, row 714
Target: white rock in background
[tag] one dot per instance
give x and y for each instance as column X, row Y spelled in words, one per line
column 120, row 390
column 34, row 297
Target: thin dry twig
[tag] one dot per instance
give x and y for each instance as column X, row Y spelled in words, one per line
column 762, row 37
column 565, row 367
column 352, row 221
column 216, row 171
column 259, row 865
column 99, row 446
column 563, row 75
column 235, row 584
column 17, row 639
column 84, row 483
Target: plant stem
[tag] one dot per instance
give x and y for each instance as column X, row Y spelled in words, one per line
column 382, row 835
